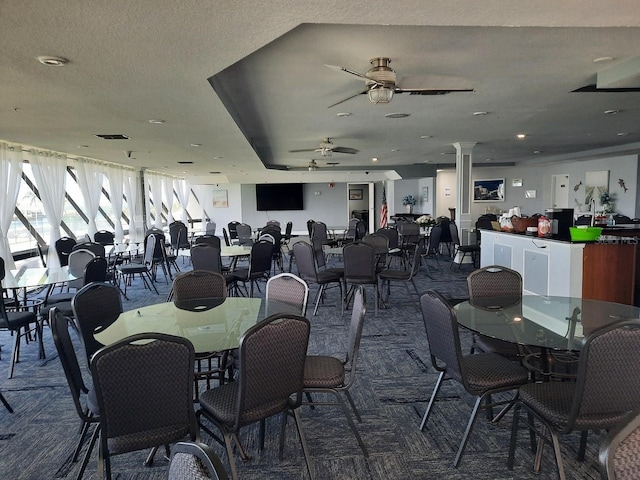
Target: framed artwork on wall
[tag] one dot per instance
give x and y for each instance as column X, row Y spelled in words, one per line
column 355, row 194
column 220, row 199
column 488, row 190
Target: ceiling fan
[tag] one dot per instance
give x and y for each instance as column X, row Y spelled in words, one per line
column 327, row 148
column 381, row 85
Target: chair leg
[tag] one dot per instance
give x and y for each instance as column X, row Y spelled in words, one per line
column 15, row 353
column 85, row 460
column 352, row 425
column 467, row 432
column 436, row 389
column 5, row 403
column 232, row 461
column 514, row 436
column 303, row 442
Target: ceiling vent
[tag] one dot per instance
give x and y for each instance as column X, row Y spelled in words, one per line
column 112, row 136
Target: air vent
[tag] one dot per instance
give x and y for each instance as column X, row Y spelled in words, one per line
column 112, row 136
column 185, row 163
column 215, row 173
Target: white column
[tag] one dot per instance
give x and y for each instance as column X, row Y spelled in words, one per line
column 464, row 186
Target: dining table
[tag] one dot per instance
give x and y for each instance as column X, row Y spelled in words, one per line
column 211, row 324
column 550, row 323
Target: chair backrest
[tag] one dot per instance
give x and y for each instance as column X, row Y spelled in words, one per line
column 288, row 291
column 453, row 230
column 620, row 450
column 391, row 234
column 409, row 233
column 179, row 235
column 319, row 232
column 155, row 242
column 444, row 222
column 260, row 257
column 318, row 254
column 94, row 247
column 43, row 251
column 275, row 223
column 95, row 307
column 64, row 246
column 95, row 270
column 208, row 239
column 104, row 237
column 361, row 230
column 244, row 234
column 195, row 461
column 206, row 257
column 380, row 243
column 304, row 255
column 144, row 388
column 498, row 285
column 197, row 284
column 419, row 251
column 355, row 330
column 310, row 223
column 441, row 325
column 287, row 231
column 233, row 234
column 210, row 228
column 271, row 374
column 78, row 260
column 434, row 240
column 359, row 261
column 60, row 331
column 607, row 383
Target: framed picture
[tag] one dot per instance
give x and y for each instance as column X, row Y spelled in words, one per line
column 220, row 199
column 489, row 190
column 355, row 194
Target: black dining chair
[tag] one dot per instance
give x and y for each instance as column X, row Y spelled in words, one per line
column 308, row 271
column 195, row 461
column 481, row 375
column 360, row 268
column 620, row 450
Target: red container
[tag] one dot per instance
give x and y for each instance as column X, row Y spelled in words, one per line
column 544, row 227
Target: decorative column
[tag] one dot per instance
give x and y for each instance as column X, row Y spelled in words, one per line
column 464, row 188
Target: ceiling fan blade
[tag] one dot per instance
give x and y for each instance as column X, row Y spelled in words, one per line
column 303, row 150
column 425, row 83
column 349, row 98
column 345, row 150
column 344, row 69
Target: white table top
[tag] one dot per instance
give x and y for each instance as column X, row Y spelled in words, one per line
column 36, row 277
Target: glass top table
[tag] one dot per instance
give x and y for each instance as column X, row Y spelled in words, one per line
column 211, row 324
column 26, row 277
column 555, row 323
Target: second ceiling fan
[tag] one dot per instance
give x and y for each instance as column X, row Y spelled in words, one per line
column 327, row 148
column 381, row 84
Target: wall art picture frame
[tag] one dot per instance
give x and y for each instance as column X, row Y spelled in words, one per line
column 489, row 190
column 355, row 194
column 220, row 199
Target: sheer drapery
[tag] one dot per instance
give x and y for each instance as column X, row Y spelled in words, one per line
column 50, row 174
column 205, row 197
column 155, row 185
column 134, row 201
column 90, row 176
column 116, row 190
column 183, row 191
column 10, row 178
column 167, row 192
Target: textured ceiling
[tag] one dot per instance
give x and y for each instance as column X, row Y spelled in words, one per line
column 130, row 62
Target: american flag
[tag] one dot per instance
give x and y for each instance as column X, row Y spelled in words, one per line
column 383, row 209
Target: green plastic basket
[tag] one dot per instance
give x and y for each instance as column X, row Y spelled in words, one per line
column 584, row 234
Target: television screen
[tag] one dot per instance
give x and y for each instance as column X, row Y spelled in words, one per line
column 279, row 196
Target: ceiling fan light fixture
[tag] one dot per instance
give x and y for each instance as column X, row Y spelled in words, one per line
column 380, row 94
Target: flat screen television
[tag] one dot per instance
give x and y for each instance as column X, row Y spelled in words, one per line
column 279, row 196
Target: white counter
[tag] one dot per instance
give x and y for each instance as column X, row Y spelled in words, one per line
column 548, row 267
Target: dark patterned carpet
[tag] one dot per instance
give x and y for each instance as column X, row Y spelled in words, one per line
column 394, row 382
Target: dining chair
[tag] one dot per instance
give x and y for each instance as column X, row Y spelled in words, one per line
column 95, row 306
column 620, row 450
column 319, row 233
column 128, row 271
column 433, row 246
column 197, row 284
column 210, row 228
column 104, row 237
column 287, row 293
column 18, row 323
column 389, row 275
column 144, row 390
column 225, row 235
column 63, row 248
column 472, row 249
column 83, row 399
column 308, row 271
column 409, row 233
column 606, row 389
column 360, row 269
column 209, row 240
column 96, row 248
column 195, row 461
column 328, row 374
column 179, row 235
column 259, row 266
column 394, row 241
column 233, row 233
column 380, row 244
column 204, row 256
column 244, row 232
column 349, row 234
column 480, row 374
column 270, row 377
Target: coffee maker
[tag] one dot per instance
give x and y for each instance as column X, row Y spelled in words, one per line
column 561, row 220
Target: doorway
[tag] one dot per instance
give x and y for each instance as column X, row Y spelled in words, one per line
column 560, row 184
column 361, row 203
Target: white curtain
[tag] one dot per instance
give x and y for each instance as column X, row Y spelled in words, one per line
column 183, row 191
column 155, row 183
column 134, row 201
column 167, row 190
column 50, row 174
column 205, row 196
column 10, row 179
column 90, row 176
column 116, row 190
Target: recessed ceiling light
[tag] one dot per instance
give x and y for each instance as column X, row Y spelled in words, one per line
column 424, row 137
column 480, row 114
column 196, row 145
column 397, row 115
column 622, row 134
column 521, row 136
column 611, row 112
column 83, row 146
column 536, row 152
column 52, row 61
column 156, row 121
column 374, row 159
column 602, row 59
column 343, row 114
column 487, row 159
column 393, row 150
column 447, row 153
